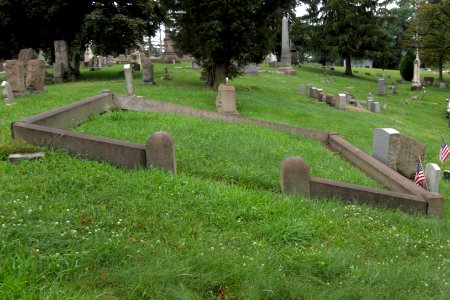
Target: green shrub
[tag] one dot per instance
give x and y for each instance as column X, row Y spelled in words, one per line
column 407, row 66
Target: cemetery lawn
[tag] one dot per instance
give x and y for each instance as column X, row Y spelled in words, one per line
column 72, row 228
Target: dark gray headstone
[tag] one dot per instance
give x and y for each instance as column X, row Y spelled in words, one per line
column 160, row 152
column 294, row 177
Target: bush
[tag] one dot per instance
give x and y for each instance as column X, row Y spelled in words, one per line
column 407, row 66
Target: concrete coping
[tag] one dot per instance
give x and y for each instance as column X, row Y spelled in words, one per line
column 48, row 129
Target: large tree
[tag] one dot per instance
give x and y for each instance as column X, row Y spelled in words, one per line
column 434, row 32
column 112, row 25
column 351, row 28
column 225, row 35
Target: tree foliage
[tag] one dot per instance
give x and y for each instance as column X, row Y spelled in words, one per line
column 434, row 32
column 352, row 29
column 111, row 25
column 407, row 66
column 118, row 25
column 225, row 35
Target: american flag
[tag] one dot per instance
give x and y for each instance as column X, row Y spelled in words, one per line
column 420, row 176
column 444, row 151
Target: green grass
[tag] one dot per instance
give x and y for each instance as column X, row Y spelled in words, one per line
column 71, row 228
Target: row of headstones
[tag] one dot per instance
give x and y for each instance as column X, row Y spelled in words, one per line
column 339, row 102
column 402, row 154
column 20, row 80
column 99, row 61
column 148, row 77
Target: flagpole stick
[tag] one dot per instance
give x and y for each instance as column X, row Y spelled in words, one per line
column 423, row 173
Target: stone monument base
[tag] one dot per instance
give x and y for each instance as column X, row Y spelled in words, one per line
column 287, row 70
column 416, row 88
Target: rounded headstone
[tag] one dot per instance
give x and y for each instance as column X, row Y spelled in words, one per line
column 160, row 151
column 294, row 177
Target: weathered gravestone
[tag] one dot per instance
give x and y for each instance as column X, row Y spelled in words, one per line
column 394, row 89
column 7, row 93
column 35, row 75
column 226, row 99
column 166, row 74
column 61, row 66
column 301, row 88
column 432, row 176
column 250, row 70
column 308, row 90
column 330, row 100
column 160, row 152
column 294, row 176
column 16, row 158
column 147, row 73
column 408, row 157
column 129, row 79
column 25, row 55
column 381, row 87
column 341, row 101
column 14, row 74
column 386, row 146
column 375, row 107
column 319, row 93
column 313, row 92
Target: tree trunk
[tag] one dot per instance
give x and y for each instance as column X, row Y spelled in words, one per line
column 348, row 65
column 441, row 63
column 220, row 73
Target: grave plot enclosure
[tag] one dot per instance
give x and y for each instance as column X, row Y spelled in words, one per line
column 50, row 129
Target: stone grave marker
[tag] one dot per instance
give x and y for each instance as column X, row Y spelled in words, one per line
column 301, row 88
column 308, row 90
column 35, row 75
column 432, row 176
column 341, row 101
column 313, row 92
column 129, row 79
column 16, row 158
column 375, row 107
column 386, row 146
column 294, row 176
column 318, row 93
column 394, row 89
column 330, row 99
column 250, row 69
column 408, row 157
column 381, row 87
column 7, row 93
column 160, row 151
column 226, row 99
column 147, row 72
column 14, row 74
column 166, row 74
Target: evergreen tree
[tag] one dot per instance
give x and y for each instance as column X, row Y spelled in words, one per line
column 407, row 66
column 353, row 29
column 225, row 35
column 434, row 32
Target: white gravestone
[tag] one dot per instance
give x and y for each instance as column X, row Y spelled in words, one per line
column 432, row 176
column 7, row 93
column 129, row 79
column 386, row 146
column 341, row 102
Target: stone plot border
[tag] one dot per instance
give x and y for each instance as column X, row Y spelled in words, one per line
column 50, row 129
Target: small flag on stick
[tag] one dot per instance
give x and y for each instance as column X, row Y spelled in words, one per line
column 420, row 176
column 443, row 153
